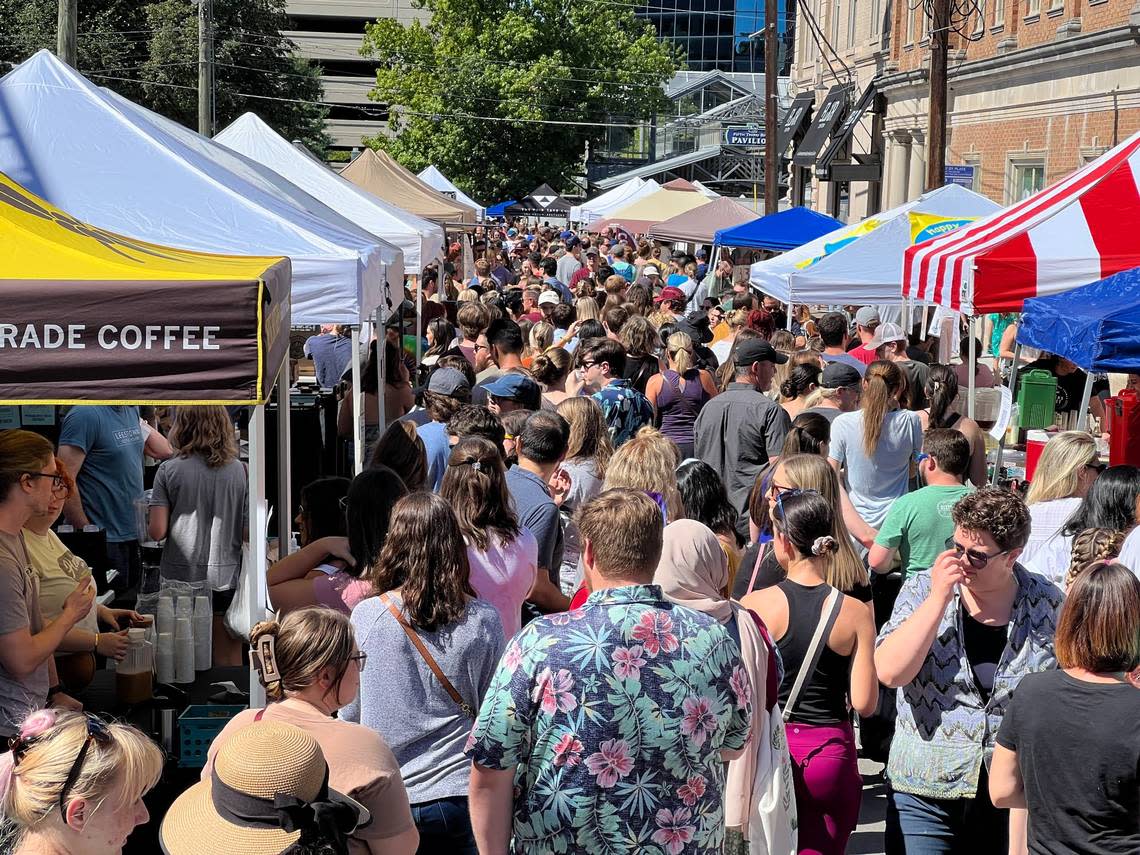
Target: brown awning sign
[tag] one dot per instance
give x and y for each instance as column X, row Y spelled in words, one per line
column 160, row 342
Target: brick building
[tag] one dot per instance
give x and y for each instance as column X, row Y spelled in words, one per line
column 1042, row 87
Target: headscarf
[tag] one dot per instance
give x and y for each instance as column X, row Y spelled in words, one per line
column 693, row 572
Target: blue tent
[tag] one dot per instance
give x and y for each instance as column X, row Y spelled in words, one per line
column 500, row 209
column 781, row 231
column 1096, row 326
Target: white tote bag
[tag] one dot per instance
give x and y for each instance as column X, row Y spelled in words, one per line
column 772, row 828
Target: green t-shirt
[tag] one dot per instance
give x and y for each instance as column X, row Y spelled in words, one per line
column 918, row 525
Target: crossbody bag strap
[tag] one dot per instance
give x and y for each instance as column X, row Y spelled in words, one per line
column 429, row 660
column 756, row 567
column 827, row 618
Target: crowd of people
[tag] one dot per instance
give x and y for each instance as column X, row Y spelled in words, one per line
column 639, row 560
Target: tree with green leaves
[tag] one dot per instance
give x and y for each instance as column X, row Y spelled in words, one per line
column 148, row 52
column 503, row 95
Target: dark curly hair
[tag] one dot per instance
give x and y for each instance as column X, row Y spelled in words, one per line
column 1001, row 514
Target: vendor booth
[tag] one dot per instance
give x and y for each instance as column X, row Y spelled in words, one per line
column 435, row 179
column 123, row 168
column 499, row 210
column 94, row 317
column 779, row 232
column 420, row 240
column 700, row 225
column 863, row 263
column 611, row 200
column 382, row 175
column 640, row 216
column 542, row 203
column 1079, row 230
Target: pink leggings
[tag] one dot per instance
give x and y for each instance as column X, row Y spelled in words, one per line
column 828, row 785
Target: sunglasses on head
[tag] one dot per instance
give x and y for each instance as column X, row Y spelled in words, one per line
column 977, row 559
column 96, row 732
column 786, row 494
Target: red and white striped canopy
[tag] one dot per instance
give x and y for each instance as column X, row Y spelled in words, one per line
column 1079, row 230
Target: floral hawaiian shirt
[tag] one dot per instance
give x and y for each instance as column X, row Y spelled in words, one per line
column 614, row 716
column 626, row 410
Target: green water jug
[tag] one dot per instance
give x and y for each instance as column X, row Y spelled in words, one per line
column 1036, row 399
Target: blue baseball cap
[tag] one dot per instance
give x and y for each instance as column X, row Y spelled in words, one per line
column 566, row 235
column 513, row 387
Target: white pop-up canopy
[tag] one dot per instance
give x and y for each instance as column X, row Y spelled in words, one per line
column 862, row 264
column 436, row 180
column 123, row 168
column 611, row 200
column 419, row 239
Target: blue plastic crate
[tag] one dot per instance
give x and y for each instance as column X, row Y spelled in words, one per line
column 197, row 727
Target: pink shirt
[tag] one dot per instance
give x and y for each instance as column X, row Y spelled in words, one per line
column 340, row 591
column 504, row 574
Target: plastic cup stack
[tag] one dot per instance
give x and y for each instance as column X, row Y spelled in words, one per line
column 203, row 633
column 165, row 613
column 184, row 648
column 164, row 657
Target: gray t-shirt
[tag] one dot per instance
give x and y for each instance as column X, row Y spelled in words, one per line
column 19, row 609
column 403, row 701
column 875, row 482
column 584, row 485
column 207, row 513
column 829, row 413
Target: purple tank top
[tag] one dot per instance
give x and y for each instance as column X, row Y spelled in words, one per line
column 679, row 407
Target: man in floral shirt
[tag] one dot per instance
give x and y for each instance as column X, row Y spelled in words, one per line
column 606, row 728
column 602, row 361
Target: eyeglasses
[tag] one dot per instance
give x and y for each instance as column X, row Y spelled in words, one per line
column 361, row 658
column 479, row 347
column 1097, row 466
column 587, row 365
column 977, row 560
column 96, row 732
column 56, row 480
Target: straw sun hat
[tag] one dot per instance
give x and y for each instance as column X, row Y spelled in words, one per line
column 269, row 784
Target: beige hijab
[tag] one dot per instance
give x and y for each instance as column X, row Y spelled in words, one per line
column 693, row 572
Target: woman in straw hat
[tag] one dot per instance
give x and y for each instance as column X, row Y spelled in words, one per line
column 310, row 666
column 267, row 793
column 73, row 783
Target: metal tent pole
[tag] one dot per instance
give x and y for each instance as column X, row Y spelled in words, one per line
column 1013, row 395
column 258, row 525
column 284, row 460
column 357, row 404
column 1086, row 396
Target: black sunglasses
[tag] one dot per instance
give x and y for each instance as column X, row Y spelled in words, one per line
column 96, row 732
column 977, row 560
column 56, row 480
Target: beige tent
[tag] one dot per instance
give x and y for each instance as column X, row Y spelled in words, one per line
column 381, row 175
column 638, row 217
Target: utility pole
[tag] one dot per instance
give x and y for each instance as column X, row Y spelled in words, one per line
column 771, row 110
column 936, row 133
column 206, row 67
column 68, row 24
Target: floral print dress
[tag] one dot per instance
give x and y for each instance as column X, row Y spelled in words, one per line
column 614, row 717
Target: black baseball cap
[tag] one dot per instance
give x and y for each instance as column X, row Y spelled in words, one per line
column 758, row 350
column 838, row 375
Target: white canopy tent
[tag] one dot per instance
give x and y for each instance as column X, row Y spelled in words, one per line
column 436, row 180
column 420, row 240
column 862, row 263
column 128, row 170
column 611, row 200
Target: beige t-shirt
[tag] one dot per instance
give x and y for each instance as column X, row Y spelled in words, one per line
column 19, row 609
column 59, row 571
column 361, row 765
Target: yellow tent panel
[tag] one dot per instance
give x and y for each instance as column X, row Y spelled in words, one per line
column 39, row 241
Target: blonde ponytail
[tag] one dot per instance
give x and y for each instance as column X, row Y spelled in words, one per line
column 680, row 348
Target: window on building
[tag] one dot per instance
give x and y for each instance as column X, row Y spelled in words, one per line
column 909, row 13
column 1032, row 7
column 852, row 17
column 876, row 15
column 980, row 19
column 1026, row 178
column 1054, row 5
column 999, row 13
column 835, row 10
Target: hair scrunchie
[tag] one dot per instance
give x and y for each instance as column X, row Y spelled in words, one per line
column 823, row 545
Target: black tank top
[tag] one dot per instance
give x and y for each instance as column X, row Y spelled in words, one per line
column 823, row 699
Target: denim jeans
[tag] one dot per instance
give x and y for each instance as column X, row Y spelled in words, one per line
column 444, row 826
column 921, row 826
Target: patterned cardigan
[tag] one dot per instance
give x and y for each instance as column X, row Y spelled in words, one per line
column 945, row 728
